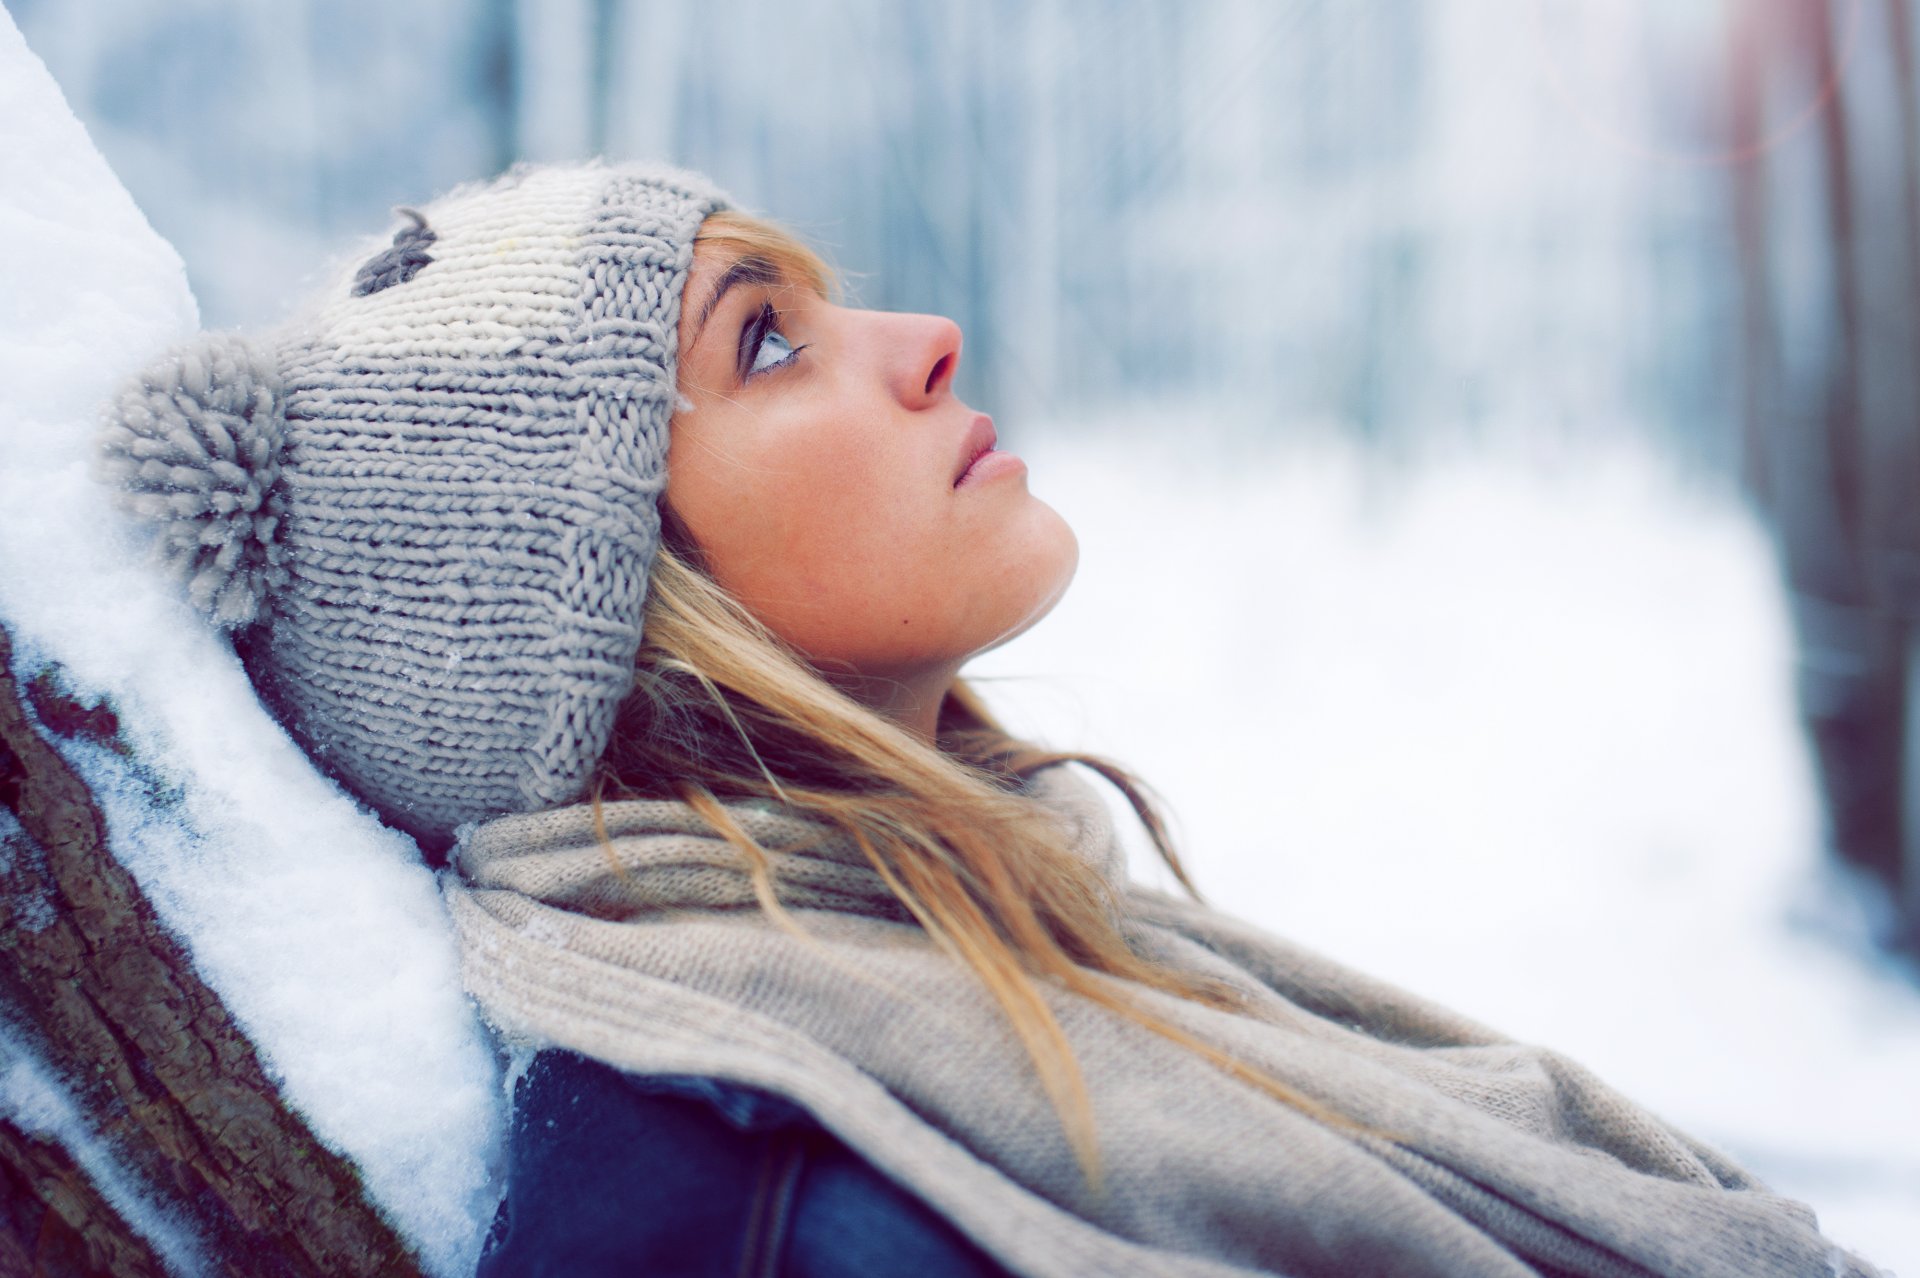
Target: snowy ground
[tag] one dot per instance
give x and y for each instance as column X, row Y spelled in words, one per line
column 1518, row 736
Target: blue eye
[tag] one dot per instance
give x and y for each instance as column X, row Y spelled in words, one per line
column 764, row 347
column 773, row 351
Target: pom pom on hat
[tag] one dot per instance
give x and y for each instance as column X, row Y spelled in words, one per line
column 194, row 448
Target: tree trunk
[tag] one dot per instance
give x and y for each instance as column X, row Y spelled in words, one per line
column 54, row 1221
column 147, row 1049
column 1831, row 318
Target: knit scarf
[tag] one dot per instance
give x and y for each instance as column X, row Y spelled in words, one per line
column 1499, row 1158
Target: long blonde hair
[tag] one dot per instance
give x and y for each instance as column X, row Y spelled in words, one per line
column 723, row 709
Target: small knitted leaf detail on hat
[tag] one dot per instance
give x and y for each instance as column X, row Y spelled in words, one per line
column 194, row 448
column 400, row 263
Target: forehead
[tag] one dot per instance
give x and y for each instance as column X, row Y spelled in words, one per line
column 728, row 235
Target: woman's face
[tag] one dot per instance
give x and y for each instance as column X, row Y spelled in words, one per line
column 820, row 468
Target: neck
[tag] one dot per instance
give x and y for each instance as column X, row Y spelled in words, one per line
column 910, row 700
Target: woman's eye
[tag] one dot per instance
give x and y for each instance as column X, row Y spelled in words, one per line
column 770, row 347
column 773, row 351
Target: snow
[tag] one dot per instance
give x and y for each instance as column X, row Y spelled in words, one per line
column 320, row 929
column 1514, row 730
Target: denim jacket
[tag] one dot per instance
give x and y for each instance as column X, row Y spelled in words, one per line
column 612, row 1173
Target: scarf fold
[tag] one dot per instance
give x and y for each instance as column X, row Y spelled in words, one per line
column 651, row 953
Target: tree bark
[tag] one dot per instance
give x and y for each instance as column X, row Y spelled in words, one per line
column 54, row 1221
column 147, row 1049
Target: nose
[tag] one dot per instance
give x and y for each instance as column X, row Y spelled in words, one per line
column 925, row 355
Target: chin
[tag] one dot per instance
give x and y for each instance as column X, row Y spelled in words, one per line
column 1042, row 573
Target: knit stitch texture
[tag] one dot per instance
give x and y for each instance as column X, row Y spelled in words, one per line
column 429, row 504
column 1500, row 1158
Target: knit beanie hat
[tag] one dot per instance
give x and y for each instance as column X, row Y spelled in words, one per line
column 427, row 507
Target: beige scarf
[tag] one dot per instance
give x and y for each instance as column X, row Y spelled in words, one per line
column 1508, row 1159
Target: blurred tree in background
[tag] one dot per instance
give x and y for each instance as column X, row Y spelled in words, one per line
column 1277, row 218
column 1827, row 182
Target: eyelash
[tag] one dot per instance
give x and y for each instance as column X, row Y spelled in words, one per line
column 766, row 321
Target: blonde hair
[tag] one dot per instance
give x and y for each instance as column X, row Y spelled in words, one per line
column 722, row 708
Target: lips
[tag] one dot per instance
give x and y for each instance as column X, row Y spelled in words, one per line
column 979, row 442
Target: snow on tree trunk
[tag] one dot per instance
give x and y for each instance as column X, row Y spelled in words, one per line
column 240, row 988
column 150, row 1050
column 53, row 1219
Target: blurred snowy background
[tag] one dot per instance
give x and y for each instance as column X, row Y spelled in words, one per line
column 1483, row 421
column 1376, row 217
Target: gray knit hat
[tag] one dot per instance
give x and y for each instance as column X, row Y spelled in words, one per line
column 429, row 505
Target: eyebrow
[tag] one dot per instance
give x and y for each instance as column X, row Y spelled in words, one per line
column 744, row 270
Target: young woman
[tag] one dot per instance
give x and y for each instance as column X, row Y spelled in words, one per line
column 582, row 533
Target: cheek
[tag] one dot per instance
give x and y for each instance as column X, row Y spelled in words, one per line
column 842, row 540
column 855, row 539
column 805, row 524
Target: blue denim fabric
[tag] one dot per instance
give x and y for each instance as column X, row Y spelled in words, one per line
column 619, row 1174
